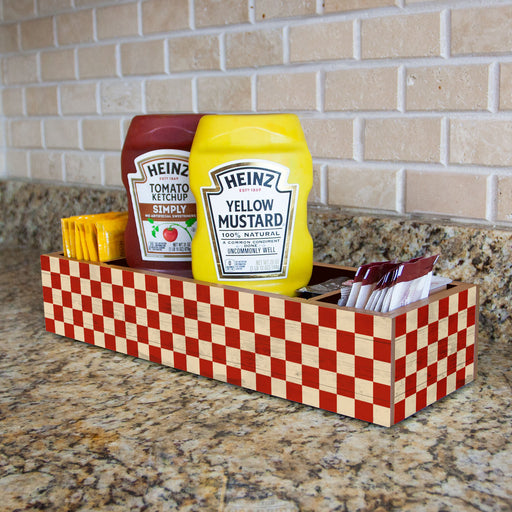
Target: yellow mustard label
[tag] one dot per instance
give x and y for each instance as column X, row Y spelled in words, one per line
column 250, row 214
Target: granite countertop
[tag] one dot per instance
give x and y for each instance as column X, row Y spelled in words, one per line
column 83, row 428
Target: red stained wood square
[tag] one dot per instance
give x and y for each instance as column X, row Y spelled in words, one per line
column 166, row 340
column 55, row 280
column 96, row 289
column 108, row 308
column 203, row 293
column 292, row 310
column 345, row 385
column 105, row 274
column 246, row 321
column 277, row 368
column 422, row 316
column 234, row 375
column 248, row 360
column 400, row 325
column 151, row 283
column 411, row 342
column 293, row 352
column 327, row 317
column 120, row 328
column 444, row 305
column 381, row 394
column 206, row 368
column 128, row 279
column 263, row 383
column 277, row 327
column 232, row 337
column 192, row 346
column 327, row 359
column 142, row 334
column 117, row 293
column 69, row 331
column 219, row 353
column 190, row 309
column 364, row 368
column 204, row 331
column 110, row 342
column 364, row 411
column 231, row 299
column 45, row 262
column 328, row 401
column 153, row 319
column 294, row 391
column 262, row 344
column 364, row 324
column 382, row 350
column 310, row 376
column 66, row 299
column 463, row 300
column 140, row 298
column 155, row 354
column 84, row 270
column 310, row 334
column 261, row 305
column 217, row 315
column 345, row 342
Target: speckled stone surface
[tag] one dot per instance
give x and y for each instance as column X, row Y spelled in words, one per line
column 83, row 429
column 467, row 253
column 31, row 212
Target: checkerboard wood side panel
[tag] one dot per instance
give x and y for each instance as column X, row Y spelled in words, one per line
column 324, row 357
column 435, row 351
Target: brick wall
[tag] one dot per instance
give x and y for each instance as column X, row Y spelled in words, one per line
column 406, row 105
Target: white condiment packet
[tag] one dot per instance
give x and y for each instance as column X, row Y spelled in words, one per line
column 439, row 283
column 366, row 278
column 386, row 285
column 412, row 282
column 345, row 292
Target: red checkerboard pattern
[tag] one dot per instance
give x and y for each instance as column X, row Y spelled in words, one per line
column 435, row 351
column 333, row 358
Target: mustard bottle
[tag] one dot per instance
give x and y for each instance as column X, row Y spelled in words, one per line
column 251, row 176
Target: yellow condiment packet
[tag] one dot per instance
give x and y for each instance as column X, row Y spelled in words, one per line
column 90, row 239
column 66, row 242
column 98, row 237
column 71, row 234
column 82, row 247
column 110, row 237
column 79, row 252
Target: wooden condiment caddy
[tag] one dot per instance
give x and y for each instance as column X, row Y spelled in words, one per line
column 376, row 367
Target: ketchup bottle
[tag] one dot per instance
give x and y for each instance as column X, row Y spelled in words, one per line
column 161, row 207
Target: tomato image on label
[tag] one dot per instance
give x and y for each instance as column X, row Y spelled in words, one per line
column 170, row 234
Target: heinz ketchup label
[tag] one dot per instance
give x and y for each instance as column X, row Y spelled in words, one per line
column 163, row 205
